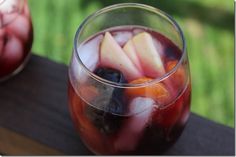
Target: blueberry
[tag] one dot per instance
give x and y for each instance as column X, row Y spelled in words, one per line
column 110, row 74
column 106, row 114
column 111, row 104
column 114, row 76
column 172, row 52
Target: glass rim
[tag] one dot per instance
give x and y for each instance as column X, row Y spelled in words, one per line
column 130, row 5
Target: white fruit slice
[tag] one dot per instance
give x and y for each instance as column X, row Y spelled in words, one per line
column 113, row 56
column 130, row 51
column 148, row 55
column 132, row 131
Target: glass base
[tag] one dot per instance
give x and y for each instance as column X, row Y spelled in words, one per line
column 17, row 70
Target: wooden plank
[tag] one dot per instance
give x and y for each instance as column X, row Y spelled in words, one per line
column 34, row 104
column 12, row 143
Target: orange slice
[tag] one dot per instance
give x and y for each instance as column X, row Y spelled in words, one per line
column 178, row 77
column 157, row 92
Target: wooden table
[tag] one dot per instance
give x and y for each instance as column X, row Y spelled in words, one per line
column 34, row 118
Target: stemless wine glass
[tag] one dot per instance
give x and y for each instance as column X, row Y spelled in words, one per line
column 132, row 115
column 16, row 36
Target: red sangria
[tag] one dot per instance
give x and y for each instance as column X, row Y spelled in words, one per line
column 129, row 84
column 16, row 36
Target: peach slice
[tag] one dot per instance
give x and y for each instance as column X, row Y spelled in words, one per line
column 179, row 76
column 130, row 51
column 148, row 55
column 113, row 56
column 157, row 92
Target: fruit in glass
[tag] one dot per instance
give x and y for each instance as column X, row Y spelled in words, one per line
column 129, row 83
column 16, row 36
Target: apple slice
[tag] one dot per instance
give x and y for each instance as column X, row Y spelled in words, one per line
column 113, row 56
column 148, row 55
column 130, row 51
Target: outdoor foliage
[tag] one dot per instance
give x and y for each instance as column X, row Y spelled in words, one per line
column 208, row 27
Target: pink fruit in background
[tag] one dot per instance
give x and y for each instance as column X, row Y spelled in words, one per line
column 2, row 38
column 16, row 35
column 20, row 27
column 13, row 51
column 113, row 56
column 141, row 110
column 130, row 51
column 7, row 18
column 148, row 55
column 26, row 10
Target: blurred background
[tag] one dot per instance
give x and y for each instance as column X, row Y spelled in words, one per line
column 208, row 27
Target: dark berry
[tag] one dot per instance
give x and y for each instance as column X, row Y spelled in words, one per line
column 116, row 103
column 114, row 76
column 110, row 74
column 106, row 114
column 171, row 52
column 109, row 104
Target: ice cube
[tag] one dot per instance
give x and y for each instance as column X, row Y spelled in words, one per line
column 8, row 6
column 89, row 52
column 13, row 51
column 129, row 136
column 20, row 27
column 89, row 55
column 122, row 37
column 140, row 104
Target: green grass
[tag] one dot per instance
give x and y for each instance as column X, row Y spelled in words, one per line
column 208, row 27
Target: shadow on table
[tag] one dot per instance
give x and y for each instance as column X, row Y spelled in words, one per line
column 187, row 9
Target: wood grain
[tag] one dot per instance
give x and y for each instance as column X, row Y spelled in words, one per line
column 12, row 143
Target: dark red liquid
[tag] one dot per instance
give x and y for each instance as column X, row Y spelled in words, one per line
column 106, row 133
column 16, row 37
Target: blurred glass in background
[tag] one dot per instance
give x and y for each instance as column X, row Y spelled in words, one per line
column 208, row 27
